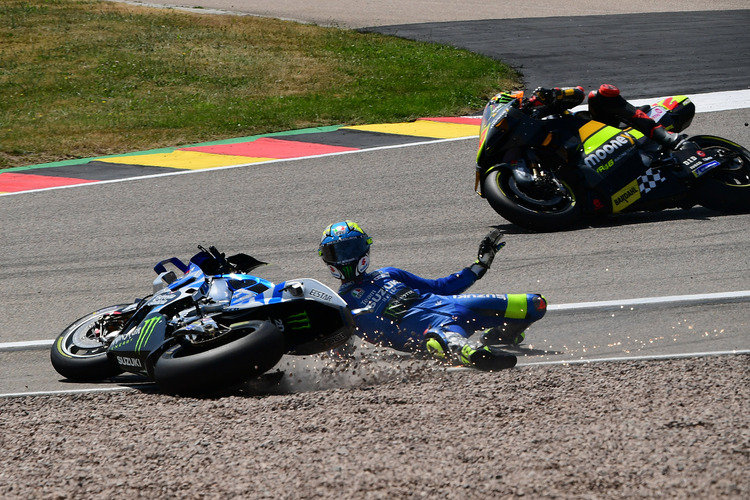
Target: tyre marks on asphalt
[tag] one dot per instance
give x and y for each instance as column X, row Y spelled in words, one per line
column 236, row 152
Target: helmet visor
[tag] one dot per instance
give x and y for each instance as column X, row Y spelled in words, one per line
column 345, row 250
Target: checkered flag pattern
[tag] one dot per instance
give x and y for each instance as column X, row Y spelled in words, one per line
column 649, row 180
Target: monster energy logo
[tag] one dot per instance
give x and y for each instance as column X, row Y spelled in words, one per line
column 347, row 271
column 299, row 321
column 146, row 330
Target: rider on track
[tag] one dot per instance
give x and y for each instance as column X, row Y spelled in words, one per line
column 415, row 314
column 605, row 105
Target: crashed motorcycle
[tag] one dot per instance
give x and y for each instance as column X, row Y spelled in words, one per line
column 208, row 325
column 547, row 173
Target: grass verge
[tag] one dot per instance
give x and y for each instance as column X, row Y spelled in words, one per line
column 84, row 78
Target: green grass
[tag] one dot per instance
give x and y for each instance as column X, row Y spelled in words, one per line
column 84, row 78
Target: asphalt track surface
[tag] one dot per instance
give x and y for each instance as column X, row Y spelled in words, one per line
column 685, row 52
column 67, row 252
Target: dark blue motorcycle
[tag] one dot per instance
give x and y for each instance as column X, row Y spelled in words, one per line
column 208, row 325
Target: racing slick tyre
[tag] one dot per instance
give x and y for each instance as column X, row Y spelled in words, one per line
column 726, row 188
column 539, row 206
column 79, row 353
column 246, row 352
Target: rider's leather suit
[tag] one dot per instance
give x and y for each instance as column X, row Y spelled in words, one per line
column 406, row 307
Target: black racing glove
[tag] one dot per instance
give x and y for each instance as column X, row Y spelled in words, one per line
column 488, row 247
column 542, row 96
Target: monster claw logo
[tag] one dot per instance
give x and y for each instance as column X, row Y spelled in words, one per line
column 299, row 321
column 146, row 330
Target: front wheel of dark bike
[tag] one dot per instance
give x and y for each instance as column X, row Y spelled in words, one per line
column 543, row 205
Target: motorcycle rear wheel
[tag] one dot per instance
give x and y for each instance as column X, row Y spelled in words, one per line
column 726, row 188
column 530, row 207
column 79, row 353
column 196, row 369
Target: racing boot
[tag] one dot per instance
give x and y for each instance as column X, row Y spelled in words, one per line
column 489, row 358
column 454, row 349
column 608, row 106
column 508, row 334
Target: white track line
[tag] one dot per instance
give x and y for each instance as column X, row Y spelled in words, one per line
column 704, row 103
column 740, row 296
column 654, row 357
column 25, row 346
column 722, row 297
column 70, row 391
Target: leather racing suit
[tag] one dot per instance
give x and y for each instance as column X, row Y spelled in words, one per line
column 407, row 308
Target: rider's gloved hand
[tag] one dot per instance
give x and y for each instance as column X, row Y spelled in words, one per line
column 542, row 97
column 488, row 247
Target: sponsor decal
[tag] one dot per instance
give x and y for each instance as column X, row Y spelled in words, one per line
column 672, row 102
column 299, row 321
column 702, row 169
column 400, row 303
column 604, row 151
column 626, row 197
column 348, row 271
column 121, row 340
column 699, row 163
column 379, row 275
column 606, row 166
column 163, row 298
column 124, row 361
column 689, row 161
column 146, row 330
column 657, row 113
column 321, row 295
column 362, row 264
column 384, row 291
column 650, row 180
column 335, row 272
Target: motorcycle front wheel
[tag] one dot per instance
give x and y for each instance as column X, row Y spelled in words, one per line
column 539, row 206
column 80, row 351
column 250, row 350
column 726, row 188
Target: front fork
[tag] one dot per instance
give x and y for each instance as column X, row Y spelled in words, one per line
column 526, row 171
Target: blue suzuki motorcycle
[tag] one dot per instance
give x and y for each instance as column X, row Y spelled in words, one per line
column 208, row 325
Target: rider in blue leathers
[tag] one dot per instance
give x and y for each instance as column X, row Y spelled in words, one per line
column 414, row 314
